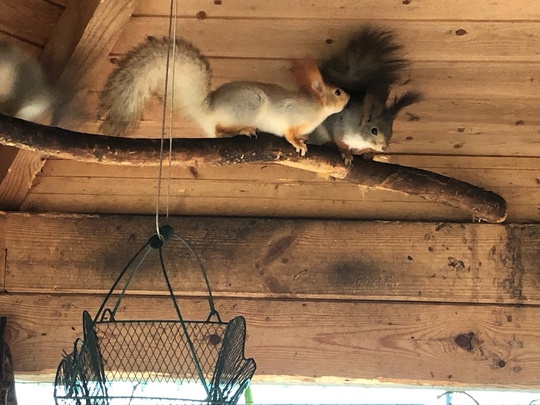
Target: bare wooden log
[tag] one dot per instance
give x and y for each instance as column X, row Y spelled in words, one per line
column 482, row 204
column 65, row 144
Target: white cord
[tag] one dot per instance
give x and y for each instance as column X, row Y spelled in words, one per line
column 173, row 18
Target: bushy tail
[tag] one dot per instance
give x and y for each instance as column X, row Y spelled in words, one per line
column 24, row 90
column 141, row 74
column 370, row 63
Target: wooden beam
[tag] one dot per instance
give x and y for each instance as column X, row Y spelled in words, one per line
column 264, row 190
column 426, row 40
column 194, row 152
column 344, row 9
column 319, row 341
column 21, row 167
column 81, row 41
column 31, row 21
column 326, row 301
column 275, row 258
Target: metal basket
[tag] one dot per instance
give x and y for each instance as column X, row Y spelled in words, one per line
column 154, row 361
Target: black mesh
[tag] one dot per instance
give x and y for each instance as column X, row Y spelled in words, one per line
column 154, row 361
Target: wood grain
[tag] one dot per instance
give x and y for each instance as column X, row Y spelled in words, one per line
column 273, row 190
column 223, row 206
column 287, row 38
column 436, row 132
column 31, row 21
column 240, row 189
column 455, row 80
column 344, row 9
column 82, row 38
column 418, row 344
column 283, row 258
column 18, row 178
column 497, row 169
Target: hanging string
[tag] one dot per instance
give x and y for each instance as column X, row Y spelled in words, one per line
column 171, row 110
column 171, row 49
column 170, row 77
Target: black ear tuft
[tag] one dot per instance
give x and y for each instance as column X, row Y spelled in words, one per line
column 405, row 100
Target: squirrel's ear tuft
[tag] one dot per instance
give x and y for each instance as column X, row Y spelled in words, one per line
column 405, row 100
column 307, row 76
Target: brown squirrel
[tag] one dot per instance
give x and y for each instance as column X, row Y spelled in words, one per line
column 366, row 68
column 241, row 107
column 24, row 91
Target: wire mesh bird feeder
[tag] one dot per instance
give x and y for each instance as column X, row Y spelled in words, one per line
column 154, row 361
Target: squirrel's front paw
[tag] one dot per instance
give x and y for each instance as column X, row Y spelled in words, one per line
column 346, row 156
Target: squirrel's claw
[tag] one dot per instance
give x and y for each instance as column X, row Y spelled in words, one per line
column 248, row 131
column 301, row 147
column 346, row 156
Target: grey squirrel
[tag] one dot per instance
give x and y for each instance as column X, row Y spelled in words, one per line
column 366, row 68
column 24, row 91
column 234, row 108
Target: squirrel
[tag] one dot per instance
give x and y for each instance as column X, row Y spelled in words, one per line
column 235, row 108
column 24, row 91
column 366, row 68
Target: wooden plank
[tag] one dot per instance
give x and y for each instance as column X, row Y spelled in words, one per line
column 471, row 112
column 437, row 262
column 81, row 40
column 304, row 340
column 515, row 179
column 277, row 191
column 76, row 47
column 436, row 126
column 459, row 80
column 507, row 171
column 30, row 21
column 359, row 210
column 287, row 38
column 343, row 9
column 17, row 179
column 223, row 206
column 240, row 189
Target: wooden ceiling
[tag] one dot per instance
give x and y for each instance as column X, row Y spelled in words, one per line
column 388, row 302
column 477, row 63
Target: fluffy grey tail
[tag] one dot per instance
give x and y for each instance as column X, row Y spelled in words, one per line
column 141, row 74
column 370, row 63
column 24, row 91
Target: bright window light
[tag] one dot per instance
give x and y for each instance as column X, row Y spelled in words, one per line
column 265, row 394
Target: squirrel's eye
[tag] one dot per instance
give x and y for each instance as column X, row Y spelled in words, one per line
column 337, row 92
column 374, row 131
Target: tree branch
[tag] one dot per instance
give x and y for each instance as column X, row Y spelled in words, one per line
column 65, row 144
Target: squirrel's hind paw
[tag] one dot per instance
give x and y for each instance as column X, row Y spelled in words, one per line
column 300, row 147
